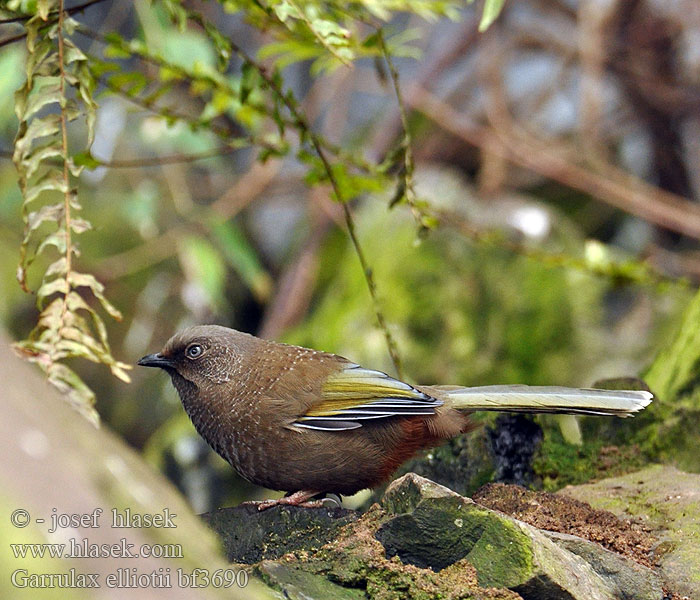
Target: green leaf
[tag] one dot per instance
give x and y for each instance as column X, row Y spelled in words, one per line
column 43, row 8
column 50, row 320
column 79, row 395
column 54, row 286
column 221, row 44
column 80, row 225
column 88, row 280
column 203, row 266
column 492, row 8
column 71, row 53
column 52, row 180
column 50, row 212
column 63, row 329
column 250, row 80
column 40, row 154
column 57, row 267
column 130, row 82
column 45, row 90
column 56, row 239
column 242, row 257
column 38, row 128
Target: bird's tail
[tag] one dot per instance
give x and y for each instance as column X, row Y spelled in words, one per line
column 541, row 399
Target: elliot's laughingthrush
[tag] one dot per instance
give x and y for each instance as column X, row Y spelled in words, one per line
column 307, row 422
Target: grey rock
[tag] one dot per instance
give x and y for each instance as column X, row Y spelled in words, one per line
column 434, row 527
column 250, row 535
column 666, row 500
column 297, row 584
column 630, row 580
column 423, row 540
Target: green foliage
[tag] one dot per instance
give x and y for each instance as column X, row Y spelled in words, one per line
column 666, row 431
column 462, row 313
column 492, row 8
column 670, row 428
column 202, row 264
column 251, row 106
column 238, row 252
column 68, row 327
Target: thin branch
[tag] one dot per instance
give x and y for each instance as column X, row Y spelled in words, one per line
column 610, row 185
column 235, row 142
column 64, row 152
column 295, row 289
column 242, row 193
column 303, row 125
column 644, row 273
column 409, row 192
column 156, row 161
column 12, row 39
column 50, row 21
column 54, row 14
column 356, row 161
column 137, row 163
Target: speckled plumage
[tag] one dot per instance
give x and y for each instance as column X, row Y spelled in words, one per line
column 293, row 419
column 244, row 395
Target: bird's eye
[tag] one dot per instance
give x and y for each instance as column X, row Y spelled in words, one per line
column 194, row 351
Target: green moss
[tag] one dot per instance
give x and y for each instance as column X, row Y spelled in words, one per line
column 503, row 554
column 357, row 560
column 665, row 500
column 559, row 463
column 297, row 584
column 461, row 314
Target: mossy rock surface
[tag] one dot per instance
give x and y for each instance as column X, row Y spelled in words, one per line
column 250, row 536
column 424, row 541
column 668, row 502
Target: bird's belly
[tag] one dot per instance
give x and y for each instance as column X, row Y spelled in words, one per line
column 286, row 459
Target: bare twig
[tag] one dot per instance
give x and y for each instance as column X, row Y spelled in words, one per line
column 141, row 257
column 246, row 189
column 296, row 284
column 157, row 161
column 12, row 39
column 644, row 273
column 611, row 185
column 162, row 247
column 407, row 143
column 430, row 71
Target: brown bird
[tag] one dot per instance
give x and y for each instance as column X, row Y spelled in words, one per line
column 308, row 422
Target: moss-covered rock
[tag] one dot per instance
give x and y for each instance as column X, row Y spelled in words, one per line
column 357, row 559
column 424, row 541
column 667, row 501
column 435, row 526
column 297, row 583
column 250, row 536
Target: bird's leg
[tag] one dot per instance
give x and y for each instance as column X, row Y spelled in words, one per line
column 300, row 498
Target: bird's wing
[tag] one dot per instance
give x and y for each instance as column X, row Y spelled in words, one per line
column 354, row 395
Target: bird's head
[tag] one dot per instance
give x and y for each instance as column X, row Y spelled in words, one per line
column 204, row 355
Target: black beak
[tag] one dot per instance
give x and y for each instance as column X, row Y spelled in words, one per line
column 156, row 360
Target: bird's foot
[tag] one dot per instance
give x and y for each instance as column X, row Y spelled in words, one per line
column 303, row 498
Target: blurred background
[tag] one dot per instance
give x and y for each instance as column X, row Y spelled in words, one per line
column 560, row 149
